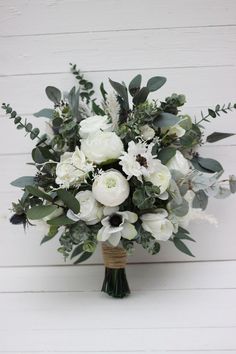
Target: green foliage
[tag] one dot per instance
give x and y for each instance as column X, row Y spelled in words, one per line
column 53, row 94
column 166, row 154
column 141, row 96
column 135, row 85
column 86, row 87
column 60, row 221
column 216, row 136
column 46, row 112
column 40, row 211
column 38, row 193
column 182, row 247
column 165, row 120
column 147, row 241
column 200, row 200
column 21, row 182
column 144, row 197
column 179, row 209
column 121, row 90
column 155, row 83
column 53, row 230
column 213, row 113
column 206, row 164
column 69, row 200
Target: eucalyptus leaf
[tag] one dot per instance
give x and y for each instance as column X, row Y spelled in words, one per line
column 165, row 120
column 46, row 112
column 40, row 211
column 135, row 84
column 53, row 94
column 60, row 221
column 200, row 200
column 210, row 164
column 216, row 136
column 69, row 200
column 182, row 247
column 179, row 209
column 232, row 183
column 155, row 83
column 141, row 96
column 166, row 154
column 21, row 182
column 38, row 193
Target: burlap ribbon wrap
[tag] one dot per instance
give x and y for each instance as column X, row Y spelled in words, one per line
column 114, row 257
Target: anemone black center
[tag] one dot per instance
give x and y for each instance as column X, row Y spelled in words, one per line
column 115, row 220
column 141, row 160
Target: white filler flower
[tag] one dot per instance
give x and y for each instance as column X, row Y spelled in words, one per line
column 102, row 146
column 94, row 124
column 90, row 210
column 72, row 168
column 158, row 224
column 179, row 163
column 160, row 177
column 138, row 161
column 110, row 188
column 117, row 224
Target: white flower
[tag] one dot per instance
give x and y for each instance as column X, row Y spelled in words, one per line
column 90, row 210
column 72, row 168
column 147, row 132
column 138, row 161
column 161, row 177
column 194, row 213
column 179, row 163
column 174, row 130
column 110, row 188
column 117, row 224
column 112, row 108
column 102, row 146
column 158, row 224
column 94, row 124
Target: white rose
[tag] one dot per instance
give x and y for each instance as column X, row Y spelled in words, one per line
column 90, row 210
column 72, row 168
column 158, row 224
column 94, row 124
column 161, row 177
column 102, row 146
column 179, row 163
column 110, row 188
column 147, row 132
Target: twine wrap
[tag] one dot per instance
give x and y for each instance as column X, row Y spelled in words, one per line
column 114, row 257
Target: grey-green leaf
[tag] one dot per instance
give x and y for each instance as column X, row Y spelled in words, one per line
column 155, row 83
column 141, row 96
column 182, row 247
column 216, row 136
column 179, row 209
column 135, row 84
column 60, row 221
column 46, row 112
column 121, row 90
column 38, row 193
column 200, row 200
column 84, row 256
column 166, row 154
column 53, row 94
column 165, row 120
column 232, row 183
column 70, row 201
column 21, row 182
column 210, row 164
column 40, row 211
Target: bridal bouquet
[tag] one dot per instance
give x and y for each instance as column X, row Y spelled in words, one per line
column 121, row 172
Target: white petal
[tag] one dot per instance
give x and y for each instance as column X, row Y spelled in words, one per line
column 114, row 239
column 103, row 234
column 110, row 210
column 129, row 231
column 130, row 216
column 72, row 215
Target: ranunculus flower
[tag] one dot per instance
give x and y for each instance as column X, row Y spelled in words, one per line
column 158, row 224
column 179, row 163
column 147, row 132
column 72, row 168
column 102, row 146
column 110, row 188
column 94, row 124
column 90, row 209
column 117, row 224
column 161, row 177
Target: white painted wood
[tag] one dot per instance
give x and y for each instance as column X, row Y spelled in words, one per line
column 85, row 15
column 120, row 50
column 87, row 278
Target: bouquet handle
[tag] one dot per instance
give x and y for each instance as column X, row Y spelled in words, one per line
column 115, row 282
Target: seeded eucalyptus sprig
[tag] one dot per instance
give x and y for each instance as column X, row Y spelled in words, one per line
column 28, row 127
column 213, row 113
column 86, row 87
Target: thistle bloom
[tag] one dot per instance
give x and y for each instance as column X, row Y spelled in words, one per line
column 117, row 224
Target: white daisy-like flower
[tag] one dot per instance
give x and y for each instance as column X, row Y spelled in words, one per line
column 117, row 224
column 138, row 161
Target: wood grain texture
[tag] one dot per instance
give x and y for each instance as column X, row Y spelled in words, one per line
column 18, row 16
column 120, row 50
